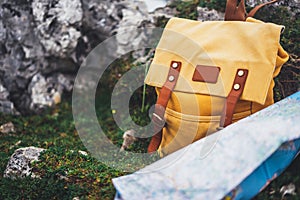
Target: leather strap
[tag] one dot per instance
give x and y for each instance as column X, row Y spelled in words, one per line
column 237, row 12
column 256, row 8
column 233, row 97
column 158, row 119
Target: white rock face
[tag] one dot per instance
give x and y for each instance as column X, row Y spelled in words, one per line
column 47, row 92
column 6, row 106
column 55, row 25
column 130, row 32
column 19, row 164
column 39, row 92
column 136, row 30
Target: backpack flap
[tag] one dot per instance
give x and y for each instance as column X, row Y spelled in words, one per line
column 212, row 52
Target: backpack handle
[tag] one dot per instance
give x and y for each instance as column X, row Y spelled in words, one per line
column 236, row 10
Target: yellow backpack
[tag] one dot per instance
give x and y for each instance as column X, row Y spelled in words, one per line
column 210, row 74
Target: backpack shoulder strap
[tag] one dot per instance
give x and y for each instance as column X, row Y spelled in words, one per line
column 236, row 11
column 256, row 8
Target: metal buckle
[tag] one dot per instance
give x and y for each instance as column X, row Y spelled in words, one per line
column 160, row 122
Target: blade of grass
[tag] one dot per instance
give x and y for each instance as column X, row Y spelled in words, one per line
column 144, row 86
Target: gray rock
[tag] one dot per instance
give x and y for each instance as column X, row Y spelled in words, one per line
column 7, row 128
column 128, row 139
column 56, row 26
column 166, row 12
column 131, row 33
column 6, row 106
column 42, row 93
column 288, row 190
column 47, row 39
column 46, row 92
column 19, row 164
column 38, row 38
column 137, row 27
column 204, row 14
column 153, row 5
column 43, row 43
column 3, row 92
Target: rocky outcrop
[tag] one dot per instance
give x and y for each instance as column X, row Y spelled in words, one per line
column 43, row 43
column 19, row 163
column 37, row 40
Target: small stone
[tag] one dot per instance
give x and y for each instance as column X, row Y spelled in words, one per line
column 128, row 139
column 44, row 92
column 288, row 190
column 19, row 163
column 84, row 153
column 7, row 128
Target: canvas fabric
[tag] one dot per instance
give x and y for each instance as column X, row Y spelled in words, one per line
column 195, row 108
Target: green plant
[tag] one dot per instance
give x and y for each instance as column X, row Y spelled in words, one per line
column 218, row 5
column 186, row 9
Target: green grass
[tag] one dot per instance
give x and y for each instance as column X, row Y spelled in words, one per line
column 87, row 177
column 54, row 131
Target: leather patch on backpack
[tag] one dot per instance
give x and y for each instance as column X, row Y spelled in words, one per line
column 207, row 74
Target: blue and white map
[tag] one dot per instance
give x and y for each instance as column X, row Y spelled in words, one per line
column 234, row 163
